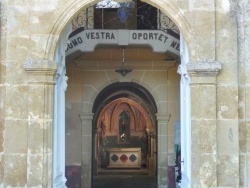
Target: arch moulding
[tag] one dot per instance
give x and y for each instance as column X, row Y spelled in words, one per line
column 168, row 7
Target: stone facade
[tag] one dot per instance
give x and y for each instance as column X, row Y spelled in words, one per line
column 217, row 33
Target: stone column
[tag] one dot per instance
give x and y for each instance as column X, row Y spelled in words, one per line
column 86, row 160
column 95, row 149
column 203, row 92
column 151, row 157
column 40, row 122
column 162, row 150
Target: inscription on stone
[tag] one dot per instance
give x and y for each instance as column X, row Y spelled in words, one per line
column 87, row 40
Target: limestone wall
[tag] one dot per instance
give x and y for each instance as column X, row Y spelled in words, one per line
column 215, row 31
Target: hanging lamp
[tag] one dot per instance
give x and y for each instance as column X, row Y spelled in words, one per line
column 123, row 71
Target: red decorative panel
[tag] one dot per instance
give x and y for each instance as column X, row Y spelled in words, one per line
column 124, row 158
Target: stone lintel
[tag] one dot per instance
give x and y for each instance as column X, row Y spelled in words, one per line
column 204, row 68
column 40, row 70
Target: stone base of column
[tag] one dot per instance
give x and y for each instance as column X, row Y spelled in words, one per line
column 95, row 167
column 86, row 176
column 151, row 169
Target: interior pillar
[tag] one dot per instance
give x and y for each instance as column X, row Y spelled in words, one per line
column 95, row 150
column 152, row 158
column 86, row 158
column 162, row 153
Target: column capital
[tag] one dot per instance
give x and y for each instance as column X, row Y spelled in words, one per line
column 86, row 117
column 40, row 70
column 204, row 68
column 163, row 117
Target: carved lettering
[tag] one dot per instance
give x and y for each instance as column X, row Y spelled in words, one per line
column 87, row 35
column 141, row 36
column 178, row 47
column 92, row 35
column 155, row 34
column 103, row 34
column 134, row 36
column 112, row 36
column 150, row 36
column 100, row 35
column 107, row 36
column 75, row 43
column 97, row 35
column 173, row 44
column 79, row 40
column 166, row 38
column 160, row 37
column 70, row 46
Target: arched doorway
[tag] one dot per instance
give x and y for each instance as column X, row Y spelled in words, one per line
column 162, row 118
column 125, row 129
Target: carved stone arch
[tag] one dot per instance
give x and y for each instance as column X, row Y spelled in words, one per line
column 116, row 112
column 103, row 86
column 147, row 87
column 150, row 122
column 167, row 7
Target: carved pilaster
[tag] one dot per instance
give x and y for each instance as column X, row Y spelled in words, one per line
column 40, row 120
column 203, row 94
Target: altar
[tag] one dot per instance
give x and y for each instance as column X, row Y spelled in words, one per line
column 124, row 158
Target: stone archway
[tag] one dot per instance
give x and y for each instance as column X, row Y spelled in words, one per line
column 162, row 119
column 138, row 103
column 140, row 132
column 167, row 8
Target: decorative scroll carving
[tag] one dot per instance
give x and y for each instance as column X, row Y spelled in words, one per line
column 165, row 23
column 85, row 18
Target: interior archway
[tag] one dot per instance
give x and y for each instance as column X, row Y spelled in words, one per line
column 124, row 119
